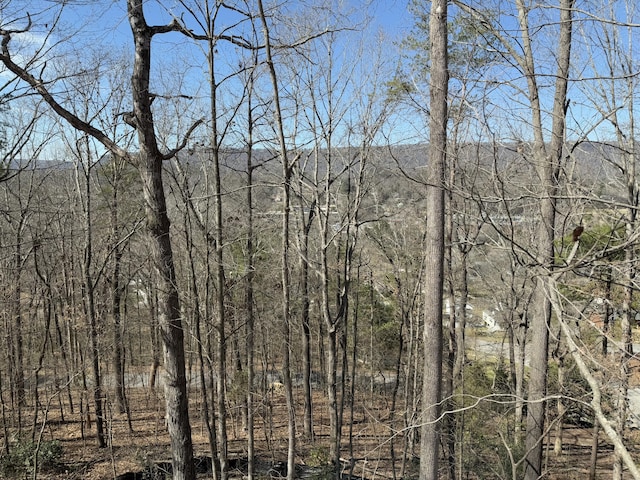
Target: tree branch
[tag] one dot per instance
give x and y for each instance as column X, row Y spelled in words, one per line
column 172, row 153
column 38, row 86
column 596, row 402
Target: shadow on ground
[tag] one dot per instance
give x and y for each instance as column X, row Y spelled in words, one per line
column 237, row 469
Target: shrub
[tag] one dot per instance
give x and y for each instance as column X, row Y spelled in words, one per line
column 319, row 456
column 485, row 431
column 22, row 457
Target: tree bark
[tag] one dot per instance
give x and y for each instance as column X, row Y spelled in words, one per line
column 117, row 289
column 303, row 239
column 434, row 244
column 83, row 190
column 169, row 315
column 548, row 172
column 286, row 280
column 249, row 298
column 629, row 270
column 596, row 400
column 149, row 162
column 220, row 282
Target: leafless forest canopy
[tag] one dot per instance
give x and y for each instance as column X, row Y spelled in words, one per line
column 219, row 260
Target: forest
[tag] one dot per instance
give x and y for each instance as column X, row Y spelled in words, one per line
column 319, row 239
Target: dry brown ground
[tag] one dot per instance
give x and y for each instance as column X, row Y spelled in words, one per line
column 148, row 442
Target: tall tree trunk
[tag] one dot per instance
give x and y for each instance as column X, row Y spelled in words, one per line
column 625, row 353
column 307, row 221
column 169, row 315
column 434, row 244
column 169, row 321
column 220, row 282
column 250, row 326
column 14, row 328
column 116, row 291
column 539, row 348
column 548, row 173
column 333, row 322
column 16, row 350
column 118, row 339
column 286, row 295
column 84, row 200
column 249, row 279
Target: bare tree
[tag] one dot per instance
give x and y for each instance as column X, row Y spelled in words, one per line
column 548, row 164
column 149, row 159
column 612, row 94
column 547, row 159
column 286, row 256
column 434, row 244
column 85, row 160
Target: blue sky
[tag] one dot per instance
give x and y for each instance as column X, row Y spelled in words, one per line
column 106, row 19
column 101, row 28
column 102, row 25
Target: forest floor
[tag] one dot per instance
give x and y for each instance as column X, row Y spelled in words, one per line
column 146, row 443
column 140, row 440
